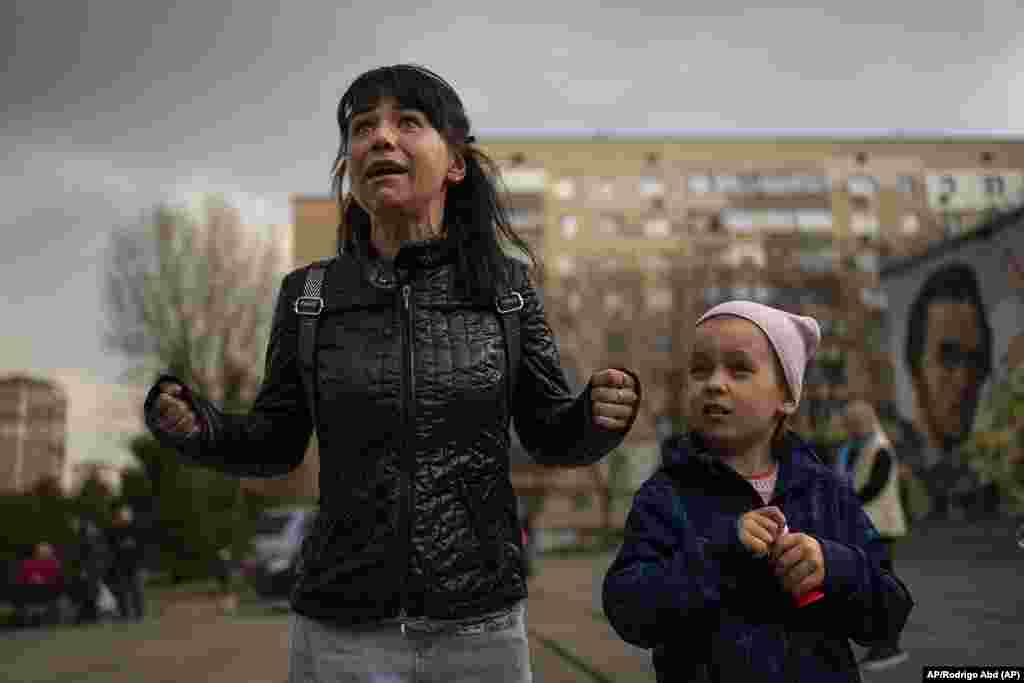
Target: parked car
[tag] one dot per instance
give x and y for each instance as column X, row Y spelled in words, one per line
column 270, row 566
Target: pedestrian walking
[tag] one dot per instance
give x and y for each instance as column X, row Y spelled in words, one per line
column 125, row 576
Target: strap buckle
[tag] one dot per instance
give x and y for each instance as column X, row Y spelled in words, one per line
column 309, row 305
column 514, row 301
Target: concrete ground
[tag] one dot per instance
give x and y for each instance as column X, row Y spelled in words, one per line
column 966, row 581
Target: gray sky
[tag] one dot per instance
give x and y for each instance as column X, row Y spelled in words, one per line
column 113, row 106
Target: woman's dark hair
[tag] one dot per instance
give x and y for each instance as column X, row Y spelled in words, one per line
column 474, row 215
column 954, row 282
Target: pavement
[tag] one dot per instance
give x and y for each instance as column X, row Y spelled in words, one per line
column 966, row 581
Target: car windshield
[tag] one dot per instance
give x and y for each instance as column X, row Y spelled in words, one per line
column 269, row 525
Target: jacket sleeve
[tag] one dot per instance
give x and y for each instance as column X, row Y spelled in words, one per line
column 271, row 439
column 661, row 583
column 873, row 603
column 555, row 427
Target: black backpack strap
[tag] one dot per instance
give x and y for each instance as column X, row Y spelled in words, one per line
column 509, row 303
column 308, row 307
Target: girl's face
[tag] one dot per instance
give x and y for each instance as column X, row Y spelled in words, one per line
column 735, row 395
column 400, row 165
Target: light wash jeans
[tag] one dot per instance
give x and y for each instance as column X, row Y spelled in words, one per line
column 492, row 649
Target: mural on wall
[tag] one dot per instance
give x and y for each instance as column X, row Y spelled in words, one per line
column 957, row 329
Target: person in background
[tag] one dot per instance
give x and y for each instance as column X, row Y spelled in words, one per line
column 40, row 572
column 91, row 559
column 868, row 462
column 745, row 558
column 125, row 576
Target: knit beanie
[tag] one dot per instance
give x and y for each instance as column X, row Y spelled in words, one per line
column 793, row 337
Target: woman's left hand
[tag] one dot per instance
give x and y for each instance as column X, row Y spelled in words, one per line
column 613, row 399
column 798, row 563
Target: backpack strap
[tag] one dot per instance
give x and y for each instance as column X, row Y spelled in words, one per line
column 508, row 304
column 308, row 307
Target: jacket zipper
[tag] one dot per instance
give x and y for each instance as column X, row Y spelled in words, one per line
column 407, row 455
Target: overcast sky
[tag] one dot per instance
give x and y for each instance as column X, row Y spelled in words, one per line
column 113, row 106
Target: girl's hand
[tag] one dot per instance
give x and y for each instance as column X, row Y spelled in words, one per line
column 760, row 528
column 613, row 399
column 798, row 562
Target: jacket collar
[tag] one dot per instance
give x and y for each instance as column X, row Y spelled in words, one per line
column 412, row 256
column 686, row 455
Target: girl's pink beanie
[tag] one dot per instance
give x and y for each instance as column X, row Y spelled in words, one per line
column 794, row 337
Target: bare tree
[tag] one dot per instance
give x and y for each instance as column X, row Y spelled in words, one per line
column 193, row 292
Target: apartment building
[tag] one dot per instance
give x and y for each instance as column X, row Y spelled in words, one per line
column 33, row 425
column 638, row 233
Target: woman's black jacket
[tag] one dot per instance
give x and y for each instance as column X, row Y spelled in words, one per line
column 417, row 513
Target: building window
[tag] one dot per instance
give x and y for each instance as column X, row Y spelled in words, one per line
column 608, row 225
column 663, row 343
column 729, row 184
column 524, row 180
column 910, row 224
column 575, row 302
column 613, row 302
column 995, row 185
column 712, row 295
column 862, row 185
column 744, row 292
column 651, row 187
column 659, row 299
column 864, row 224
column 566, row 265
column 565, row 189
column 953, row 224
column 616, row 342
column 874, row 298
column 521, row 217
column 905, row 185
column 570, row 226
column 763, row 294
column 814, row 220
column 656, row 263
column 817, row 260
column 947, row 184
column 867, row 261
column 738, row 220
column 699, row 184
column 603, row 189
column 744, row 253
column 664, row 426
column 658, row 227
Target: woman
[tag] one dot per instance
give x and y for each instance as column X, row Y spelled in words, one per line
column 868, row 463
column 415, row 563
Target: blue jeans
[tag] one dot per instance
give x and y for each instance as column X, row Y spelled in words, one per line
column 491, row 649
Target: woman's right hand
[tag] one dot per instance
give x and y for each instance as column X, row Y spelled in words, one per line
column 760, row 528
column 173, row 414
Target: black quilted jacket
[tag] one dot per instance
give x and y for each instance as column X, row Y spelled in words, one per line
column 417, row 513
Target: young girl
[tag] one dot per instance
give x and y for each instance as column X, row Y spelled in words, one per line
column 745, row 558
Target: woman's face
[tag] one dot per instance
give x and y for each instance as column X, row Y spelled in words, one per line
column 400, row 166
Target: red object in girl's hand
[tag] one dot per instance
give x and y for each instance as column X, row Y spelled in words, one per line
column 809, row 597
